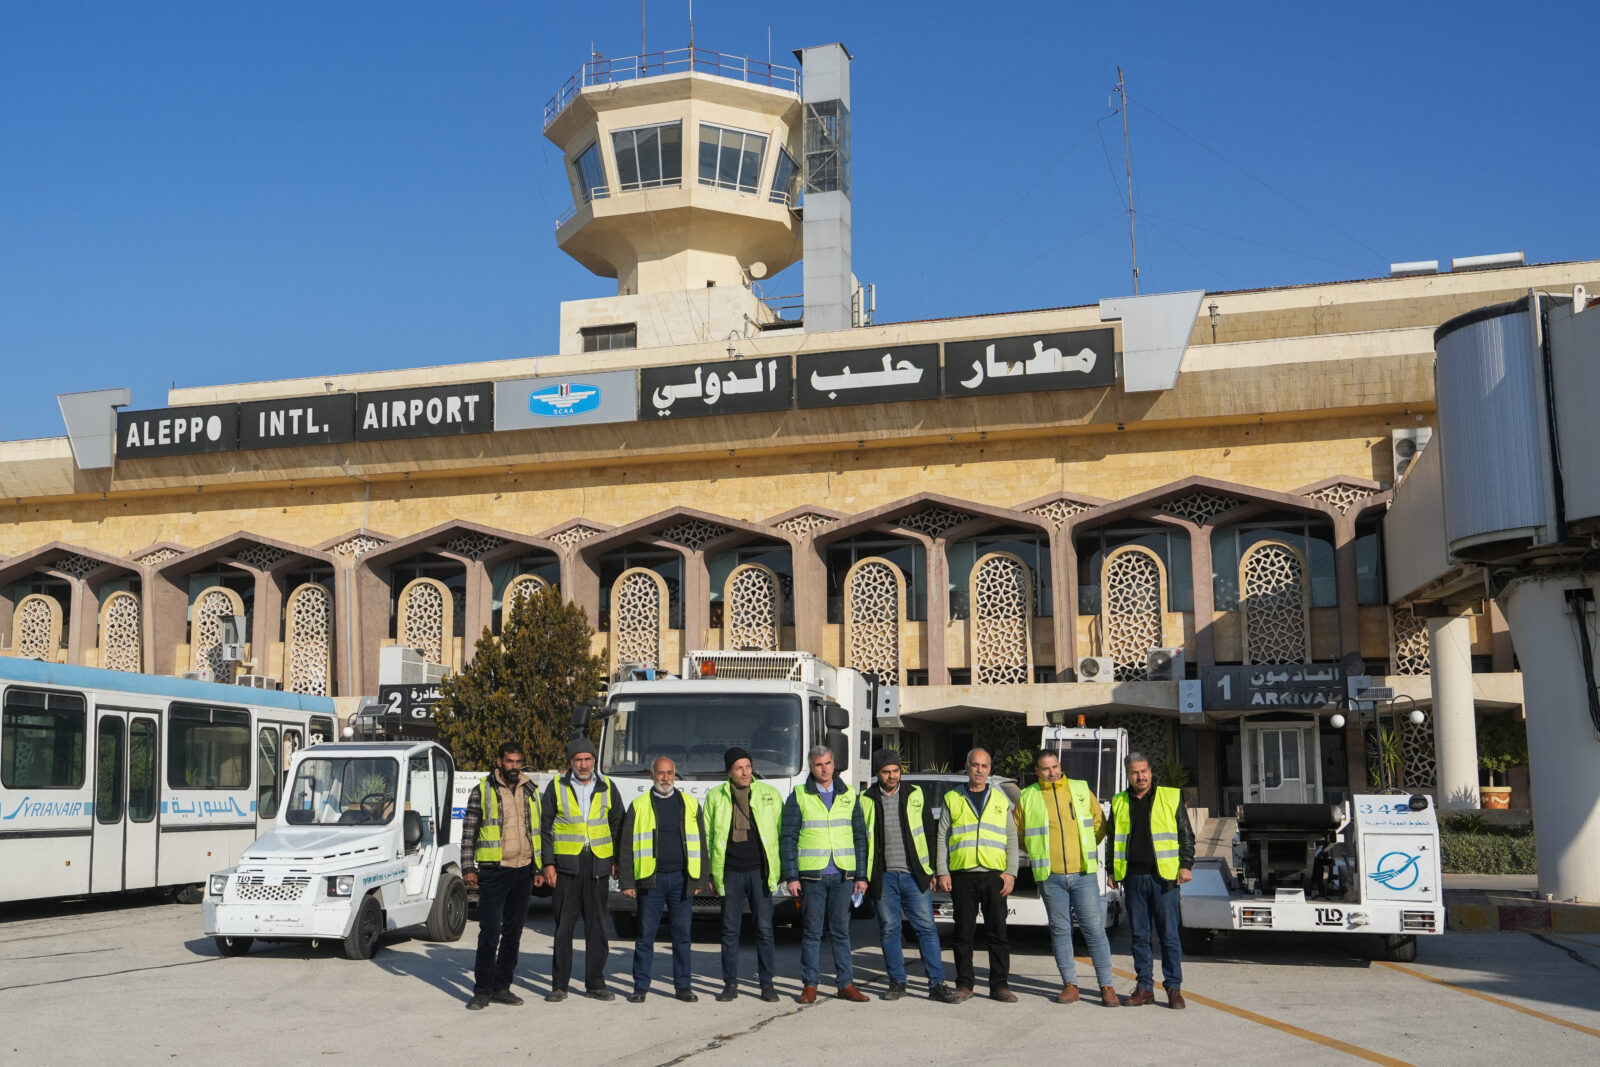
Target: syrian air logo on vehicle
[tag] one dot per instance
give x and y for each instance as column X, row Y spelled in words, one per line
column 1397, row 870
column 568, row 398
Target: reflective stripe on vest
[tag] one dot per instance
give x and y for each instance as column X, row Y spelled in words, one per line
column 827, row 833
column 1036, row 828
column 766, row 810
column 644, row 837
column 1163, row 832
column 489, row 847
column 977, row 841
column 570, row 830
column 919, row 835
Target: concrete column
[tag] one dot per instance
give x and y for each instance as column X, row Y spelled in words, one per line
column 1455, row 725
column 810, row 595
column 1347, row 580
column 937, row 626
column 1562, row 750
column 1065, row 579
column 1202, row 592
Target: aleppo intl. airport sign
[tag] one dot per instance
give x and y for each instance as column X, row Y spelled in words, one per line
column 866, row 376
column 1082, row 359
column 720, row 387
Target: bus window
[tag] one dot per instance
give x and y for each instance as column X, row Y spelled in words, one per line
column 321, row 729
column 41, row 740
column 142, row 770
column 267, row 773
column 208, row 748
column 108, row 770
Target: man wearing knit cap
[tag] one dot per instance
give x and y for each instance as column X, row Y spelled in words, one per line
column 901, row 875
column 744, row 820
column 581, row 820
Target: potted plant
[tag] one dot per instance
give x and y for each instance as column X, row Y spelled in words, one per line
column 1502, row 744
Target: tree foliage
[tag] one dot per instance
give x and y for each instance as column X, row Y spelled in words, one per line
column 522, row 686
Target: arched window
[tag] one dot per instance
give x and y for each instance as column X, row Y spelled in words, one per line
column 308, row 659
column 206, row 628
column 1132, row 594
column 36, row 627
column 875, row 596
column 638, row 615
column 426, row 618
column 1001, row 596
column 1275, row 594
column 121, row 640
column 753, row 595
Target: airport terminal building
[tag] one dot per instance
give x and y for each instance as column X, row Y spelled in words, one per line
column 1164, row 512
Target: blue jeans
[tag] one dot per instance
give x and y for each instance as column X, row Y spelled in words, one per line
column 900, row 895
column 737, row 888
column 669, row 892
column 1076, row 897
column 825, row 900
column 1151, row 899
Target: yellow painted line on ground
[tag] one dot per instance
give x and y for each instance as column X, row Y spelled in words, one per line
column 1282, row 1027
column 1591, row 1031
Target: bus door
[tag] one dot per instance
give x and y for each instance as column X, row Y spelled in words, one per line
column 276, row 744
column 126, row 749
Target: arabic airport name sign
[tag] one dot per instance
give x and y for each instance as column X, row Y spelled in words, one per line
column 566, row 400
column 1082, row 359
column 1274, row 686
column 867, row 376
column 721, row 387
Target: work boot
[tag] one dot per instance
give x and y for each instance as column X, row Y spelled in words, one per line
column 1108, row 997
column 808, row 995
column 478, row 1002
column 1069, row 994
column 555, row 996
column 638, row 996
column 943, row 994
column 600, row 994
column 1175, row 998
column 963, row 992
column 729, row 993
column 505, row 996
column 854, row 995
column 688, row 996
column 1003, row 995
column 769, row 994
column 896, row 991
column 1139, row 998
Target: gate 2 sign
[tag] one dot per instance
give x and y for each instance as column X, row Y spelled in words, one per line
column 1262, row 686
column 410, row 702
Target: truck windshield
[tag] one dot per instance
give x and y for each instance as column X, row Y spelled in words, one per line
column 695, row 729
column 342, row 792
column 1089, row 760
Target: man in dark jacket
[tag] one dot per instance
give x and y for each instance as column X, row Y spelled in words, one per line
column 500, row 843
column 901, row 877
column 661, row 862
column 1152, row 855
column 581, row 821
column 823, row 853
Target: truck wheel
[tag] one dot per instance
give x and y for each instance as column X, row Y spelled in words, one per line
column 449, row 915
column 1400, row 948
column 1195, row 941
column 233, row 946
column 627, row 924
column 364, row 934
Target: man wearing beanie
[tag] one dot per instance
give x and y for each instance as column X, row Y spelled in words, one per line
column 744, row 820
column 900, row 875
column 581, row 820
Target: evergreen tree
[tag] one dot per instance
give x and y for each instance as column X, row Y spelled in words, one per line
column 522, row 687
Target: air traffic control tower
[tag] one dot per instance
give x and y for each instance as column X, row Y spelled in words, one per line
column 686, row 169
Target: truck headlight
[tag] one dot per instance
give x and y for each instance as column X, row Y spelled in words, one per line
column 340, row 885
column 216, row 884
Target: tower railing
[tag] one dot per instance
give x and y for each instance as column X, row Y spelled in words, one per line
column 604, row 71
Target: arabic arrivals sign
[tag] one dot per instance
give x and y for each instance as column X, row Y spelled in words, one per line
column 867, row 376
column 722, row 387
column 566, row 400
column 1083, row 359
column 1265, row 687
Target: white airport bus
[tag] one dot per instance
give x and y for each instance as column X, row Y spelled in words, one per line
column 111, row 781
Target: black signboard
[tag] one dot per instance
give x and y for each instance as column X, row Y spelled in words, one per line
column 410, row 701
column 302, row 420
column 866, row 376
column 1274, row 687
column 1082, row 359
column 177, row 431
column 721, row 387
column 436, row 412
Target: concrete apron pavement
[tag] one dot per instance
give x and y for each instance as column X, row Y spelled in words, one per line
column 136, row 981
column 1487, row 903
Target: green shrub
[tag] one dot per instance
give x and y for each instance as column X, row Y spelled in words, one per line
column 1488, row 853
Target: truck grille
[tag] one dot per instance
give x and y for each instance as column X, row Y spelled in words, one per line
column 1418, row 922
column 255, row 887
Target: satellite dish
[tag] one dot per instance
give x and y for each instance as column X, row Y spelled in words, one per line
column 758, row 270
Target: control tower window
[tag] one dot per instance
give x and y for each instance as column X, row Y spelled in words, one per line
column 590, row 174
column 731, row 159
column 649, row 156
column 606, row 338
column 784, row 178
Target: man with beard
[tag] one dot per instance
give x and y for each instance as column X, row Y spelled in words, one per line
column 500, row 850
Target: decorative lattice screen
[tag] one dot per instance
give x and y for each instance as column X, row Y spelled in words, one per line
column 638, row 616
column 308, row 616
column 36, row 627
column 1001, row 591
column 427, row 618
column 753, row 599
column 874, row 600
column 522, row 587
column 1133, row 589
column 1408, row 642
column 1416, row 746
column 121, row 643
column 1275, row 595
column 205, row 647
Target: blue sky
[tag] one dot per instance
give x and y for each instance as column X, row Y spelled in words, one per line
column 219, row 192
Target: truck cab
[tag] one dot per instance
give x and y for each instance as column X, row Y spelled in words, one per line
column 361, row 846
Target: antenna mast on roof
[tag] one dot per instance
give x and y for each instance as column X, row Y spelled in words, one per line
column 691, row 34
column 1127, row 152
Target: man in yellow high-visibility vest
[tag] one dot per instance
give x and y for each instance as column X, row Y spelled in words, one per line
column 500, row 859
column 582, row 820
column 977, row 864
column 823, row 852
column 1152, row 855
column 661, row 863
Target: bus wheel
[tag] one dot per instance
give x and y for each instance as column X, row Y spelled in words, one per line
column 234, row 946
column 189, row 894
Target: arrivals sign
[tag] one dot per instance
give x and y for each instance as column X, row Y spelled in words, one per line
column 721, row 387
column 566, row 400
column 1082, row 359
column 866, row 376
column 1274, row 687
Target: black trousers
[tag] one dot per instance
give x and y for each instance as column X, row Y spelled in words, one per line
column 581, row 896
column 969, row 891
column 502, row 909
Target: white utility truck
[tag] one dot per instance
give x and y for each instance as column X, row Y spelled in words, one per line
column 362, row 845
column 1367, row 866
column 1096, row 755
column 775, row 705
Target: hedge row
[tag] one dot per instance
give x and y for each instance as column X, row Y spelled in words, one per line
column 1488, row 853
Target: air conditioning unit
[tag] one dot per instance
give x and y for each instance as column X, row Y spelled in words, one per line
column 398, row 665
column 231, row 652
column 197, row 676
column 1164, row 664
column 257, row 681
column 234, row 629
column 1407, row 443
column 1096, row 669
